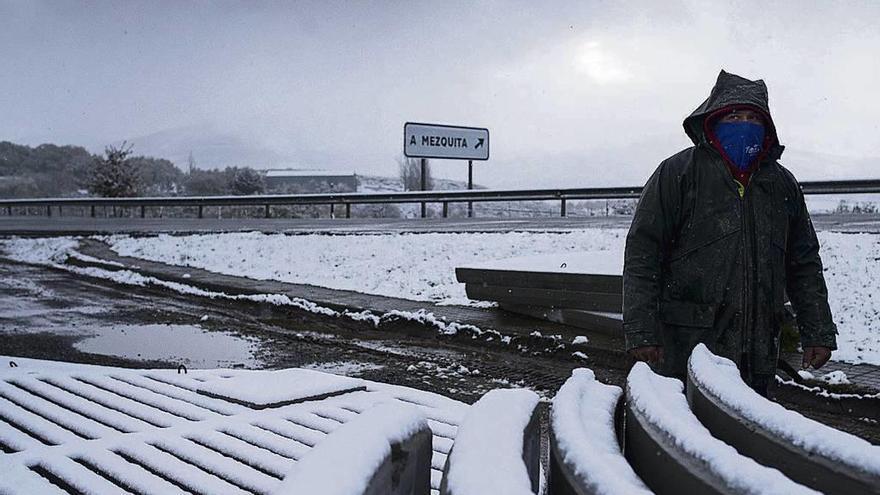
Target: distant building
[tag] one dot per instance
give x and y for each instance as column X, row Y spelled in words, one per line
column 295, row 181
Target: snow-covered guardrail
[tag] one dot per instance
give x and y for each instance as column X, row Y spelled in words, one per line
column 807, row 451
column 585, row 454
column 497, row 448
column 384, row 451
column 674, row 453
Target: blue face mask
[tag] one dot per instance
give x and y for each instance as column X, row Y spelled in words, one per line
column 741, row 141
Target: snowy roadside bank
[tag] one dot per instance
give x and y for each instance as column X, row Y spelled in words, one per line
column 64, row 254
column 421, row 266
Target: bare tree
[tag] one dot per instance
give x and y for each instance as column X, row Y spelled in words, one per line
column 114, row 175
column 190, row 163
column 246, row 181
column 410, row 170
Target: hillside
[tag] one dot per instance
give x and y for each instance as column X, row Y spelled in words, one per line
column 376, row 183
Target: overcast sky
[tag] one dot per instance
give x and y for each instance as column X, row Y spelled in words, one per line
column 574, row 93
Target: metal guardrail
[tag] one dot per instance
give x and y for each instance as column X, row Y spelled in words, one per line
column 349, row 199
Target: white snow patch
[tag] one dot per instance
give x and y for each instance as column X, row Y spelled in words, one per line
column 852, row 273
column 806, row 375
column 487, row 455
column 418, row 267
column 345, row 368
column 580, row 339
column 582, row 418
column 821, row 392
column 837, row 377
column 721, row 378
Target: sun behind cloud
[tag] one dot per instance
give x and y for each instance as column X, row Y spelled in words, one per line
column 600, row 64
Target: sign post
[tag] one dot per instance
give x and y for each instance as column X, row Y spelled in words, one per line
column 470, row 186
column 448, row 142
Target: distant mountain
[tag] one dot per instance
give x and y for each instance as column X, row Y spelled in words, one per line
column 596, row 166
column 210, row 148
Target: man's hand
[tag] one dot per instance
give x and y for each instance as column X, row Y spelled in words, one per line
column 816, row 356
column 650, row 353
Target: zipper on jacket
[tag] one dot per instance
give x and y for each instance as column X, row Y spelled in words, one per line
column 749, row 275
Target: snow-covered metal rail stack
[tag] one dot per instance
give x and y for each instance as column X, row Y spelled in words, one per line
column 809, row 452
column 674, row 453
column 87, row 429
column 582, row 289
column 498, row 446
column 585, row 454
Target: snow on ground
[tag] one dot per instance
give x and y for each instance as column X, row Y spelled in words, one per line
column 852, row 273
column 344, row 368
column 422, row 266
column 419, row 267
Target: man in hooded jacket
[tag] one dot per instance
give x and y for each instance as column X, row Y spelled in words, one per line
column 720, row 236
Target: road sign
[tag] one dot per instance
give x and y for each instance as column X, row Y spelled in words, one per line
column 445, row 141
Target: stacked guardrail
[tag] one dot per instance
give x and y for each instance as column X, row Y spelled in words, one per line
column 81, row 429
column 722, row 437
column 807, row 451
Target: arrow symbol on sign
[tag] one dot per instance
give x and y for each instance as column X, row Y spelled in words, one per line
column 480, row 142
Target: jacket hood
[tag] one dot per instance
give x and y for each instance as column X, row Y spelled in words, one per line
column 731, row 90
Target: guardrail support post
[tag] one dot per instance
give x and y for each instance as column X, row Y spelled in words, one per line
column 143, row 211
column 9, row 211
column 49, row 211
column 445, row 209
column 268, row 214
column 424, row 181
column 200, row 211
column 92, row 208
column 563, row 207
column 332, row 210
column 347, row 210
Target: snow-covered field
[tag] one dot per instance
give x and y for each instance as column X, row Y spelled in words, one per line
column 422, row 266
column 419, row 267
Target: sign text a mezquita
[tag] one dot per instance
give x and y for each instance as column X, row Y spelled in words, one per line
column 445, row 141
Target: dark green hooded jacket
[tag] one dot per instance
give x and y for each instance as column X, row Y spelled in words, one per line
column 704, row 264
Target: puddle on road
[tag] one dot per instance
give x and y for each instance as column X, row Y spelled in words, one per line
column 191, row 345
